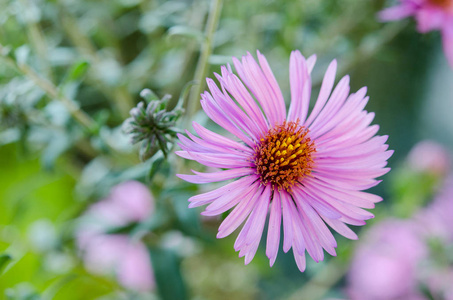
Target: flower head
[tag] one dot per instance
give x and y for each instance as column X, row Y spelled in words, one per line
column 430, row 15
column 305, row 169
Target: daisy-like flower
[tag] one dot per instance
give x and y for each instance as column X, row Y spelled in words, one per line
column 308, row 170
column 430, row 15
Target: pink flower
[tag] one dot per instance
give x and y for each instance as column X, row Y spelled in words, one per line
column 437, row 217
column 384, row 266
column 430, row 15
column 430, row 157
column 106, row 254
column 307, row 169
column 128, row 202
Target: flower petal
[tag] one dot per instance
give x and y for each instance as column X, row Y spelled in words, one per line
column 300, row 82
column 273, row 233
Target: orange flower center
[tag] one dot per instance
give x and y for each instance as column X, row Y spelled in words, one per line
column 284, row 156
column 447, row 4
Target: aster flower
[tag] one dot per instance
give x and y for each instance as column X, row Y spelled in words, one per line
column 308, row 170
column 430, row 15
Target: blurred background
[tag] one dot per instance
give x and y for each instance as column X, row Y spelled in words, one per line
column 85, row 214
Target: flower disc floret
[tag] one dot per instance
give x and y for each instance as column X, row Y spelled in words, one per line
column 448, row 4
column 284, row 156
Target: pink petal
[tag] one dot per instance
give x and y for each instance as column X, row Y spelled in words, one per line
column 397, row 12
column 239, row 213
column 287, row 221
column 326, row 88
column 447, row 39
column 208, row 197
column 219, row 140
column 216, row 176
column 273, row 233
column 300, row 82
column 429, row 18
column 276, row 92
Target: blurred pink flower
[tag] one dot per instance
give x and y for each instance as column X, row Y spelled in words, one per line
column 430, row 157
column 430, row 15
column 106, row 254
column 437, row 217
column 127, row 202
column 384, row 265
column 102, row 253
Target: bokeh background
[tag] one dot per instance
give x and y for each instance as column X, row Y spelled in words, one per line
column 70, row 72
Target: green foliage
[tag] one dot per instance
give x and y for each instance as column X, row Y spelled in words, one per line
column 5, row 259
column 170, row 283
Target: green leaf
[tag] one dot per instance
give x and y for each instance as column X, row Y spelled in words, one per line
column 148, row 95
column 58, row 144
column 167, row 270
column 158, row 219
column 5, row 259
column 188, row 219
column 77, row 71
column 22, row 53
column 122, row 229
column 156, row 163
column 186, row 32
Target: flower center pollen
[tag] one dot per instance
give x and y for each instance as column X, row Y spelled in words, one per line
column 447, row 4
column 284, row 156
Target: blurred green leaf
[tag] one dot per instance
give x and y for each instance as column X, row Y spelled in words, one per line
column 77, row 71
column 148, row 95
column 5, row 259
column 188, row 218
column 22, row 53
column 156, row 162
column 22, row 292
column 167, row 270
column 186, row 31
column 10, row 135
column 411, row 190
column 58, row 144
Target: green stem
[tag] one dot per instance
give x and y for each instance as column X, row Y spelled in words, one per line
column 38, row 41
column 193, row 104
